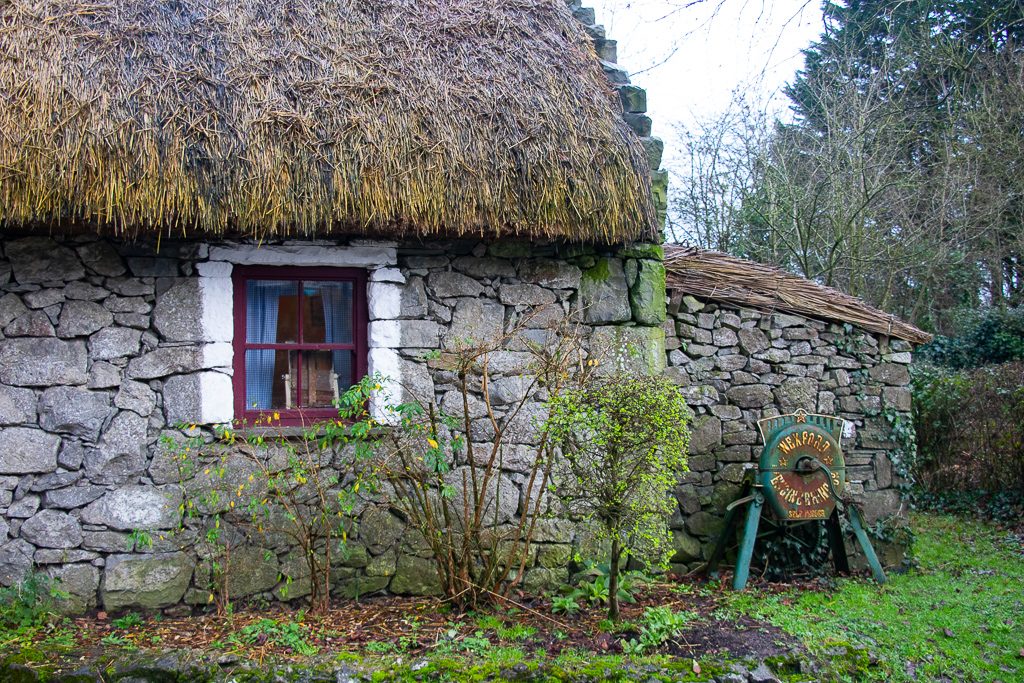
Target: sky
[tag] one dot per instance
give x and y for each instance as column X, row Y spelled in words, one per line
column 691, row 56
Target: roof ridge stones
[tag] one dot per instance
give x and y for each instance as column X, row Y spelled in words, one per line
column 634, row 103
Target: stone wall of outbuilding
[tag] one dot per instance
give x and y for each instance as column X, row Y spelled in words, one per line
column 107, row 348
column 737, row 366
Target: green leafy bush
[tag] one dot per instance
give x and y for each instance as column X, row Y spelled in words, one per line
column 623, row 442
column 995, row 336
column 970, row 428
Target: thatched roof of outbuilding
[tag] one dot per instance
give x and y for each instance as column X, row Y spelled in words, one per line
column 721, row 277
column 313, row 117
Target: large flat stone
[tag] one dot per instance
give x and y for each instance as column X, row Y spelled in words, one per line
column 114, row 342
column 82, row 318
column 415, row 576
column 475, row 321
column 629, row 349
column 15, row 561
column 145, row 581
column 42, row 362
column 52, row 529
column 450, row 284
column 170, row 360
column 41, row 259
column 136, row 507
column 101, row 258
column 24, row 450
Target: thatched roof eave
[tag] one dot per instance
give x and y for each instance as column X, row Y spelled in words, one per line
column 312, row 118
column 720, row 277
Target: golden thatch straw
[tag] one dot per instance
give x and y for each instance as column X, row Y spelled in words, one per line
column 303, row 117
column 714, row 275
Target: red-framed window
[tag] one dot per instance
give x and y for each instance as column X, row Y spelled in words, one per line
column 300, row 340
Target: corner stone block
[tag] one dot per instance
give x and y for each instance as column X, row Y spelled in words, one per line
column 647, row 295
column 24, row 450
column 146, row 581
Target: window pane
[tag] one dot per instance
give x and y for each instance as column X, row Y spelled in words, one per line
column 327, row 312
column 271, row 315
column 270, row 379
column 326, row 375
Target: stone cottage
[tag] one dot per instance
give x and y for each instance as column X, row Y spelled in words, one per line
column 213, row 212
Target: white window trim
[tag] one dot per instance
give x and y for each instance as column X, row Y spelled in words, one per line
column 216, row 295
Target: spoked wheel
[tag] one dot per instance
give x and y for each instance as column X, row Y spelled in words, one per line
column 789, row 550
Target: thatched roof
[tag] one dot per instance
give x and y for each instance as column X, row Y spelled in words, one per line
column 303, row 117
column 717, row 276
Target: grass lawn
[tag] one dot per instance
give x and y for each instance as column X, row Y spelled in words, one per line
column 958, row 616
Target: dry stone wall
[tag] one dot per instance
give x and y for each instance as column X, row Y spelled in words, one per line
column 107, row 348
column 737, row 366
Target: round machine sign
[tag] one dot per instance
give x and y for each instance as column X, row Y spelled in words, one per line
column 802, row 470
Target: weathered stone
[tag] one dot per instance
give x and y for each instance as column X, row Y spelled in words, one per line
column 415, row 576
column 114, row 342
column 54, row 480
column 82, row 318
column 169, row 360
column 633, row 349
column 413, row 302
column 71, row 454
column 178, row 312
column 41, row 362
column 797, row 393
column 896, row 397
column 121, row 451
column 700, row 395
column 750, row 396
column 450, row 284
column 484, row 267
column 52, row 529
column 103, row 375
column 72, row 410
column 424, row 334
column 24, row 450
column 15, row 561
column 379, row 529
column 604, row 294
column 475, row 321
column 41, row 259
column 101, row 258
column 890, row 373
column 525, row 295
column 11, row 308
column 654, row 149
column 705, row 524
column 137, row 397
column 146, row 581
column 687, row 547
column 731, row 362
column 78, row 583
column 552, row 274
column 17, row 405
column 251, row 571
column 705, row 434
column 23, row 508
column 107, row 541
column 723, row 336
column 43, row 298
column 647, row 294
column 31, row 324
column 358, row 586
column 83, row 291
column 136, row 507
column 126, row 304
column 72, row 496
